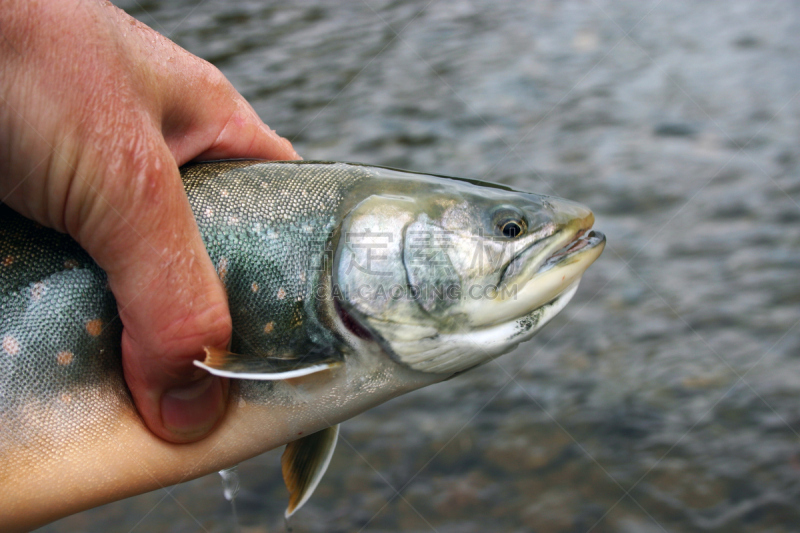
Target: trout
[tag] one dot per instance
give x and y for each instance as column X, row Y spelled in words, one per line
column 348, row 285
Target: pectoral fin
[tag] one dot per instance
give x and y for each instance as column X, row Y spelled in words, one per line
column 304, row 462
column 229, row 365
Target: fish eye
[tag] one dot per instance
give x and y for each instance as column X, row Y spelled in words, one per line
column 509, row 222
column 511, row 229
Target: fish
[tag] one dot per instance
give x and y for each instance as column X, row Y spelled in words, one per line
column 348, row 285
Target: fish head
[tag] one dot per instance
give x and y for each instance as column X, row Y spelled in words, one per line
column 450, row 274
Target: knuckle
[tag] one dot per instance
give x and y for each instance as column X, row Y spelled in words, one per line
column 139, row 169
column 129, row 175
column 213, row 78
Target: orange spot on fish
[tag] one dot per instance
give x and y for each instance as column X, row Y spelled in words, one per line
column 94, row 327
column 69, row 264
column 269, row 327
column 10, row 345
column 8, row 261
column 281, row 294
column 64, row 358
column 254, row 287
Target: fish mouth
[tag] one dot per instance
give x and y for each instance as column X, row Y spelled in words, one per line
column 551, row 252
column 583, row 241
column 543, row 272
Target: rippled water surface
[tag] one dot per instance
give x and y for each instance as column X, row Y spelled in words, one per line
column 667, row 395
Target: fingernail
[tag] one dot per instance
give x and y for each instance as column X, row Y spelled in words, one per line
column 191, row 412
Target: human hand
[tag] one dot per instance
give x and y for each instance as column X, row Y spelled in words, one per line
column 97, row 111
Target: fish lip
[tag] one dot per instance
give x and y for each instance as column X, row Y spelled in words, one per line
column 584, row 240
column 519, row 270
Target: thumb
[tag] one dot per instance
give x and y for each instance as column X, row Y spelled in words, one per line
column 140, row 229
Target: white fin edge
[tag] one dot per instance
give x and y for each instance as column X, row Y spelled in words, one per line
column 273, row 376
column 320, row 472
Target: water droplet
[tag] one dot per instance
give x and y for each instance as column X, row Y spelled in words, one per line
column 230, row 483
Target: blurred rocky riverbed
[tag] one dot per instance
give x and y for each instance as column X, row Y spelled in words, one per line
column 666, row 397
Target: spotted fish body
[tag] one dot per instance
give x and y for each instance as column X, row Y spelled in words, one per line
column 280, row 237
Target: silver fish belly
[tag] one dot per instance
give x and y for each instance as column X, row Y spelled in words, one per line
column 348, row 285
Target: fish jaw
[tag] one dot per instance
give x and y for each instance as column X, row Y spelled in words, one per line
column 452, row 353
column 542, row 270
column 553, row 276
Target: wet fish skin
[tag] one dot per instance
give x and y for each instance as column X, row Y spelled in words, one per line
column 275, row 232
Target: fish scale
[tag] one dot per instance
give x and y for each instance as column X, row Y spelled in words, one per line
column 59, row 333
column 270, row 239
column 264, row 231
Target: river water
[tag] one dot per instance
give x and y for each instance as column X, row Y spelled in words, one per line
column 666, row 397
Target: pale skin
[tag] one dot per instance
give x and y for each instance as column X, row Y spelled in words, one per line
column 97, row 112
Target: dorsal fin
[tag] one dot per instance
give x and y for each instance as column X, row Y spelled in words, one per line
column 230, row 365
column 304, row 462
